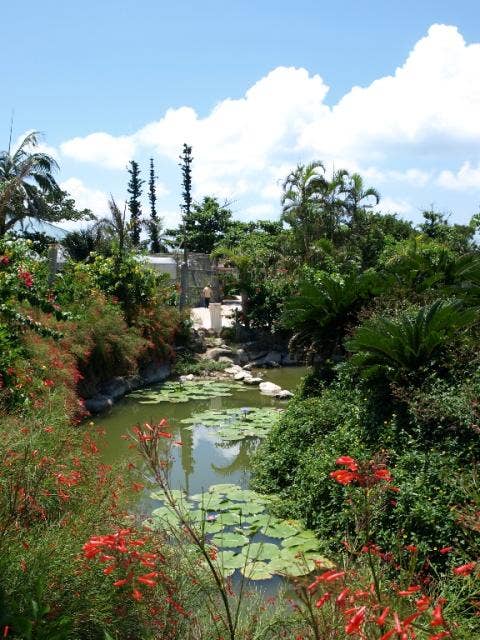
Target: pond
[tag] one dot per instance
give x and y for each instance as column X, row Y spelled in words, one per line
column 203, row 460
column 212, row 454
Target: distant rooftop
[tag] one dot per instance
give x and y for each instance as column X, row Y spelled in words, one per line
column 31, row 225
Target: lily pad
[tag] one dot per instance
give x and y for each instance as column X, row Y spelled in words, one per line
column 261, row 551
column 257, row 571
column 280, row 530
column 176, row 391
column 237, row 424
column 230, row 539
column 230, row 560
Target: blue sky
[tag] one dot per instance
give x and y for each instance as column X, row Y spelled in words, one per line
column 391, row 89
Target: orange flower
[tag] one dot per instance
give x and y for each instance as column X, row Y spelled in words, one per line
column 350, row 463
column 343, row 477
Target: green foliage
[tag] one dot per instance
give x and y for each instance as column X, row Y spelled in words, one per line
column 206, row 226
column 133, row 284
column 135, row 191
column 303, row 423
column 410, row 343
column 323, row 309
column 185, row 365
column 28, row 187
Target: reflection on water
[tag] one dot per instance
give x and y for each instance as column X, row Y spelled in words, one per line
column 202, row 460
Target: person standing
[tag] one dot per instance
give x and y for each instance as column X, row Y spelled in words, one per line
column 207, row 294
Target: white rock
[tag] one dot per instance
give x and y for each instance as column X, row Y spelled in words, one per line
column 190, row 376
column 269, row 389
column 233, row 369
column 241, row 375
column 251, row 380
column 284, row 394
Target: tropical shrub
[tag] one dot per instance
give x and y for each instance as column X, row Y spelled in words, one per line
column 411, row 343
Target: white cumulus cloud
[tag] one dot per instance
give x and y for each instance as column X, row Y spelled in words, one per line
column 86, row 198
column 102, row 149
column 467, row 177
column 245, row 146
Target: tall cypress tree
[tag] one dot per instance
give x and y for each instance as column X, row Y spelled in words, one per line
column 135, row 190
column 186, row 168
column 154, row 221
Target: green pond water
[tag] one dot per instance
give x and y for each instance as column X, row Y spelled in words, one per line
column 205, row 458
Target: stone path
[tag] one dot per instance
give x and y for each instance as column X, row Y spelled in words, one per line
column 201, row 316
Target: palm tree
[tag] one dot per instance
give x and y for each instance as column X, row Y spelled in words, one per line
column 116, row 227
column 356, row 193
column 300, row 201
column 332, row 203
column 26, row 179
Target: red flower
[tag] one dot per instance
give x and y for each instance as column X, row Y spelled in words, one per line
column 340, row 601
column 439, row 636
column 4, row 260
column 409, row 591
column 350, row 463
column 137, row 595
column 26, row 277
column 321, row 601
column 437, row 617
column 382, row 617
column 353, row 625
column 412, row 548
column 464, row 569
column 343, row 477
column 444, row 550
column 120, row 583
column 383, row 474
column 422, row 603
column 48, row 382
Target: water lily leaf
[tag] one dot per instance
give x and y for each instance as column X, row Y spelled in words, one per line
column 165, row 515
column 280, row 530
column 302, row 547
column 257, row 571
column 237, row 424
column 230, row 560
column 213, row 526
column 261, row 551
column 222, row 488
column 230, row 539
column 228, row 518
column 247, row 508
column 300, row 538
column 292, row 567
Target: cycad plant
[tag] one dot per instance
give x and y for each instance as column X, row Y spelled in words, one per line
column 322, row 310
column 409, row 345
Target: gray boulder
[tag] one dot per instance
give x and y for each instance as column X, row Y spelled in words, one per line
column 116, row 388
column 218, row 352
column 98, row 403
column 156, row 373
